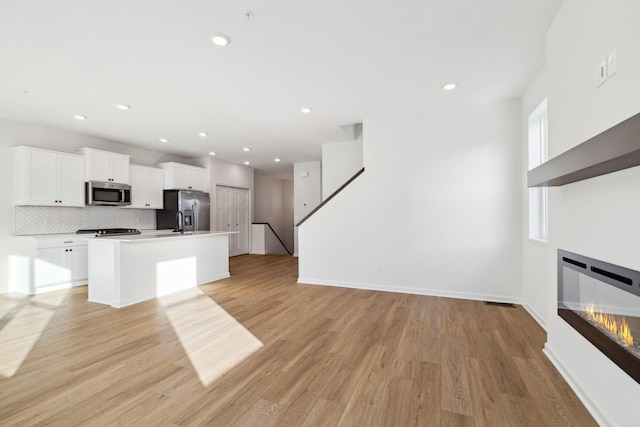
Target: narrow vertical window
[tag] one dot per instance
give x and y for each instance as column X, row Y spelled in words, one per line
column 538, row 137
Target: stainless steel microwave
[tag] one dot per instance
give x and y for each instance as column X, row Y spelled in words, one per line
column 107, row 193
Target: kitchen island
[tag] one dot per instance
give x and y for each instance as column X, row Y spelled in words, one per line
column 125, row 270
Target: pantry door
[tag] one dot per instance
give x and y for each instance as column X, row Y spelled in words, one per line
column 232, row 214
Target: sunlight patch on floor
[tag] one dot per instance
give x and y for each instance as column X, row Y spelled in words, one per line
column 214, row 341
column 19, row 335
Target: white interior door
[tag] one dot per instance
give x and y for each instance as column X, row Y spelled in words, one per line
column 241, row 214
column 232, row 214
column 223, row 209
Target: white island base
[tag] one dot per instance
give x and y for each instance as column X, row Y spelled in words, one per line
column 126, row 270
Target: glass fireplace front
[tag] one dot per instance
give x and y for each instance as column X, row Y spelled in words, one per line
column 602, row 302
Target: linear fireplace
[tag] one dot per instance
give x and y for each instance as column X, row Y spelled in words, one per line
column 602, row 302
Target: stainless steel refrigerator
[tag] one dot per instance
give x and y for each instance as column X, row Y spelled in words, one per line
column 184, row 210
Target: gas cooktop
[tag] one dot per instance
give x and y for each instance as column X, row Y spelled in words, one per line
column 99, row 232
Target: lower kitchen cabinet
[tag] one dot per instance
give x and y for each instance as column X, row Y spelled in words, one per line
column 53, row 266
column 45, row 263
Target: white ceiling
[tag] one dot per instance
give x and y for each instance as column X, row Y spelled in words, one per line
column 349, row 60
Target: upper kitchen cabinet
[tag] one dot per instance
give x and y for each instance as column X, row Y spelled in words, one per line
column 48, row 178
column 146, row 187
column 106, row 166
column 178, row 176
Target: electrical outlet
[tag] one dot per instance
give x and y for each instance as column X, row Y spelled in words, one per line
column 378, row 266
column 601, row 73
column 612, row 65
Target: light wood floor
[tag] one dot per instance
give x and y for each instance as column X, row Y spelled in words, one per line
column 259, row 349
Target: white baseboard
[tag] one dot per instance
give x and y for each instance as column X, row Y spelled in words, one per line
column 601, row 417
column 258, row 252
column 410, row 290
column 59, row 287
column 535, row 315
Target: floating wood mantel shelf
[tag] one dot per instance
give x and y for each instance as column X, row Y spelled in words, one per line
column 615, row 149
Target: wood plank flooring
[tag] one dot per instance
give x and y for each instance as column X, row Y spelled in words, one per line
column 257, row 349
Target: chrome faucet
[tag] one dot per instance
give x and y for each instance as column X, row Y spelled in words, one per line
column 179, row 222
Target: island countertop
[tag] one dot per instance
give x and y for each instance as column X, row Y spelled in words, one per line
column 165, row 234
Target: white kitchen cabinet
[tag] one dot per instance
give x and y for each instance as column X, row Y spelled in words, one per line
column 146, row 187
column 51, row 266
column 178, row 176
column 46, row 263
column 47, row 178
column 106, row 166
column 61, row 265
column 80, row 263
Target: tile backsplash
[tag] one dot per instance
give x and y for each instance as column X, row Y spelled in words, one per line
column 48, row 220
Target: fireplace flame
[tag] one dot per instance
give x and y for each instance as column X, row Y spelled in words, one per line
column 616, row 325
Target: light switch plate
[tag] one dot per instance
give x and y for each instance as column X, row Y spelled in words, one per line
column 612, row 65
column 601, row 73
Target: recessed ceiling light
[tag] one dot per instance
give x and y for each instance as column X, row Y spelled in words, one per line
column 276, row 160
column 246, row 149
column 203, row 134
column 164, row 140
column 306, row 110
column 123, row 106
column 79, row 117
column 212, row 153
column 449, row 86
column 220, row 39
column 247, row 163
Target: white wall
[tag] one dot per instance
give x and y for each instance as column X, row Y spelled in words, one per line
column 268, row 200
column 230, row 174
column 14, row 133
column 307, row 192
column 597, row 217
column 271, row 204
column 287, row 209
column 535, row 292
column 340, row 161
column 438, row 206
